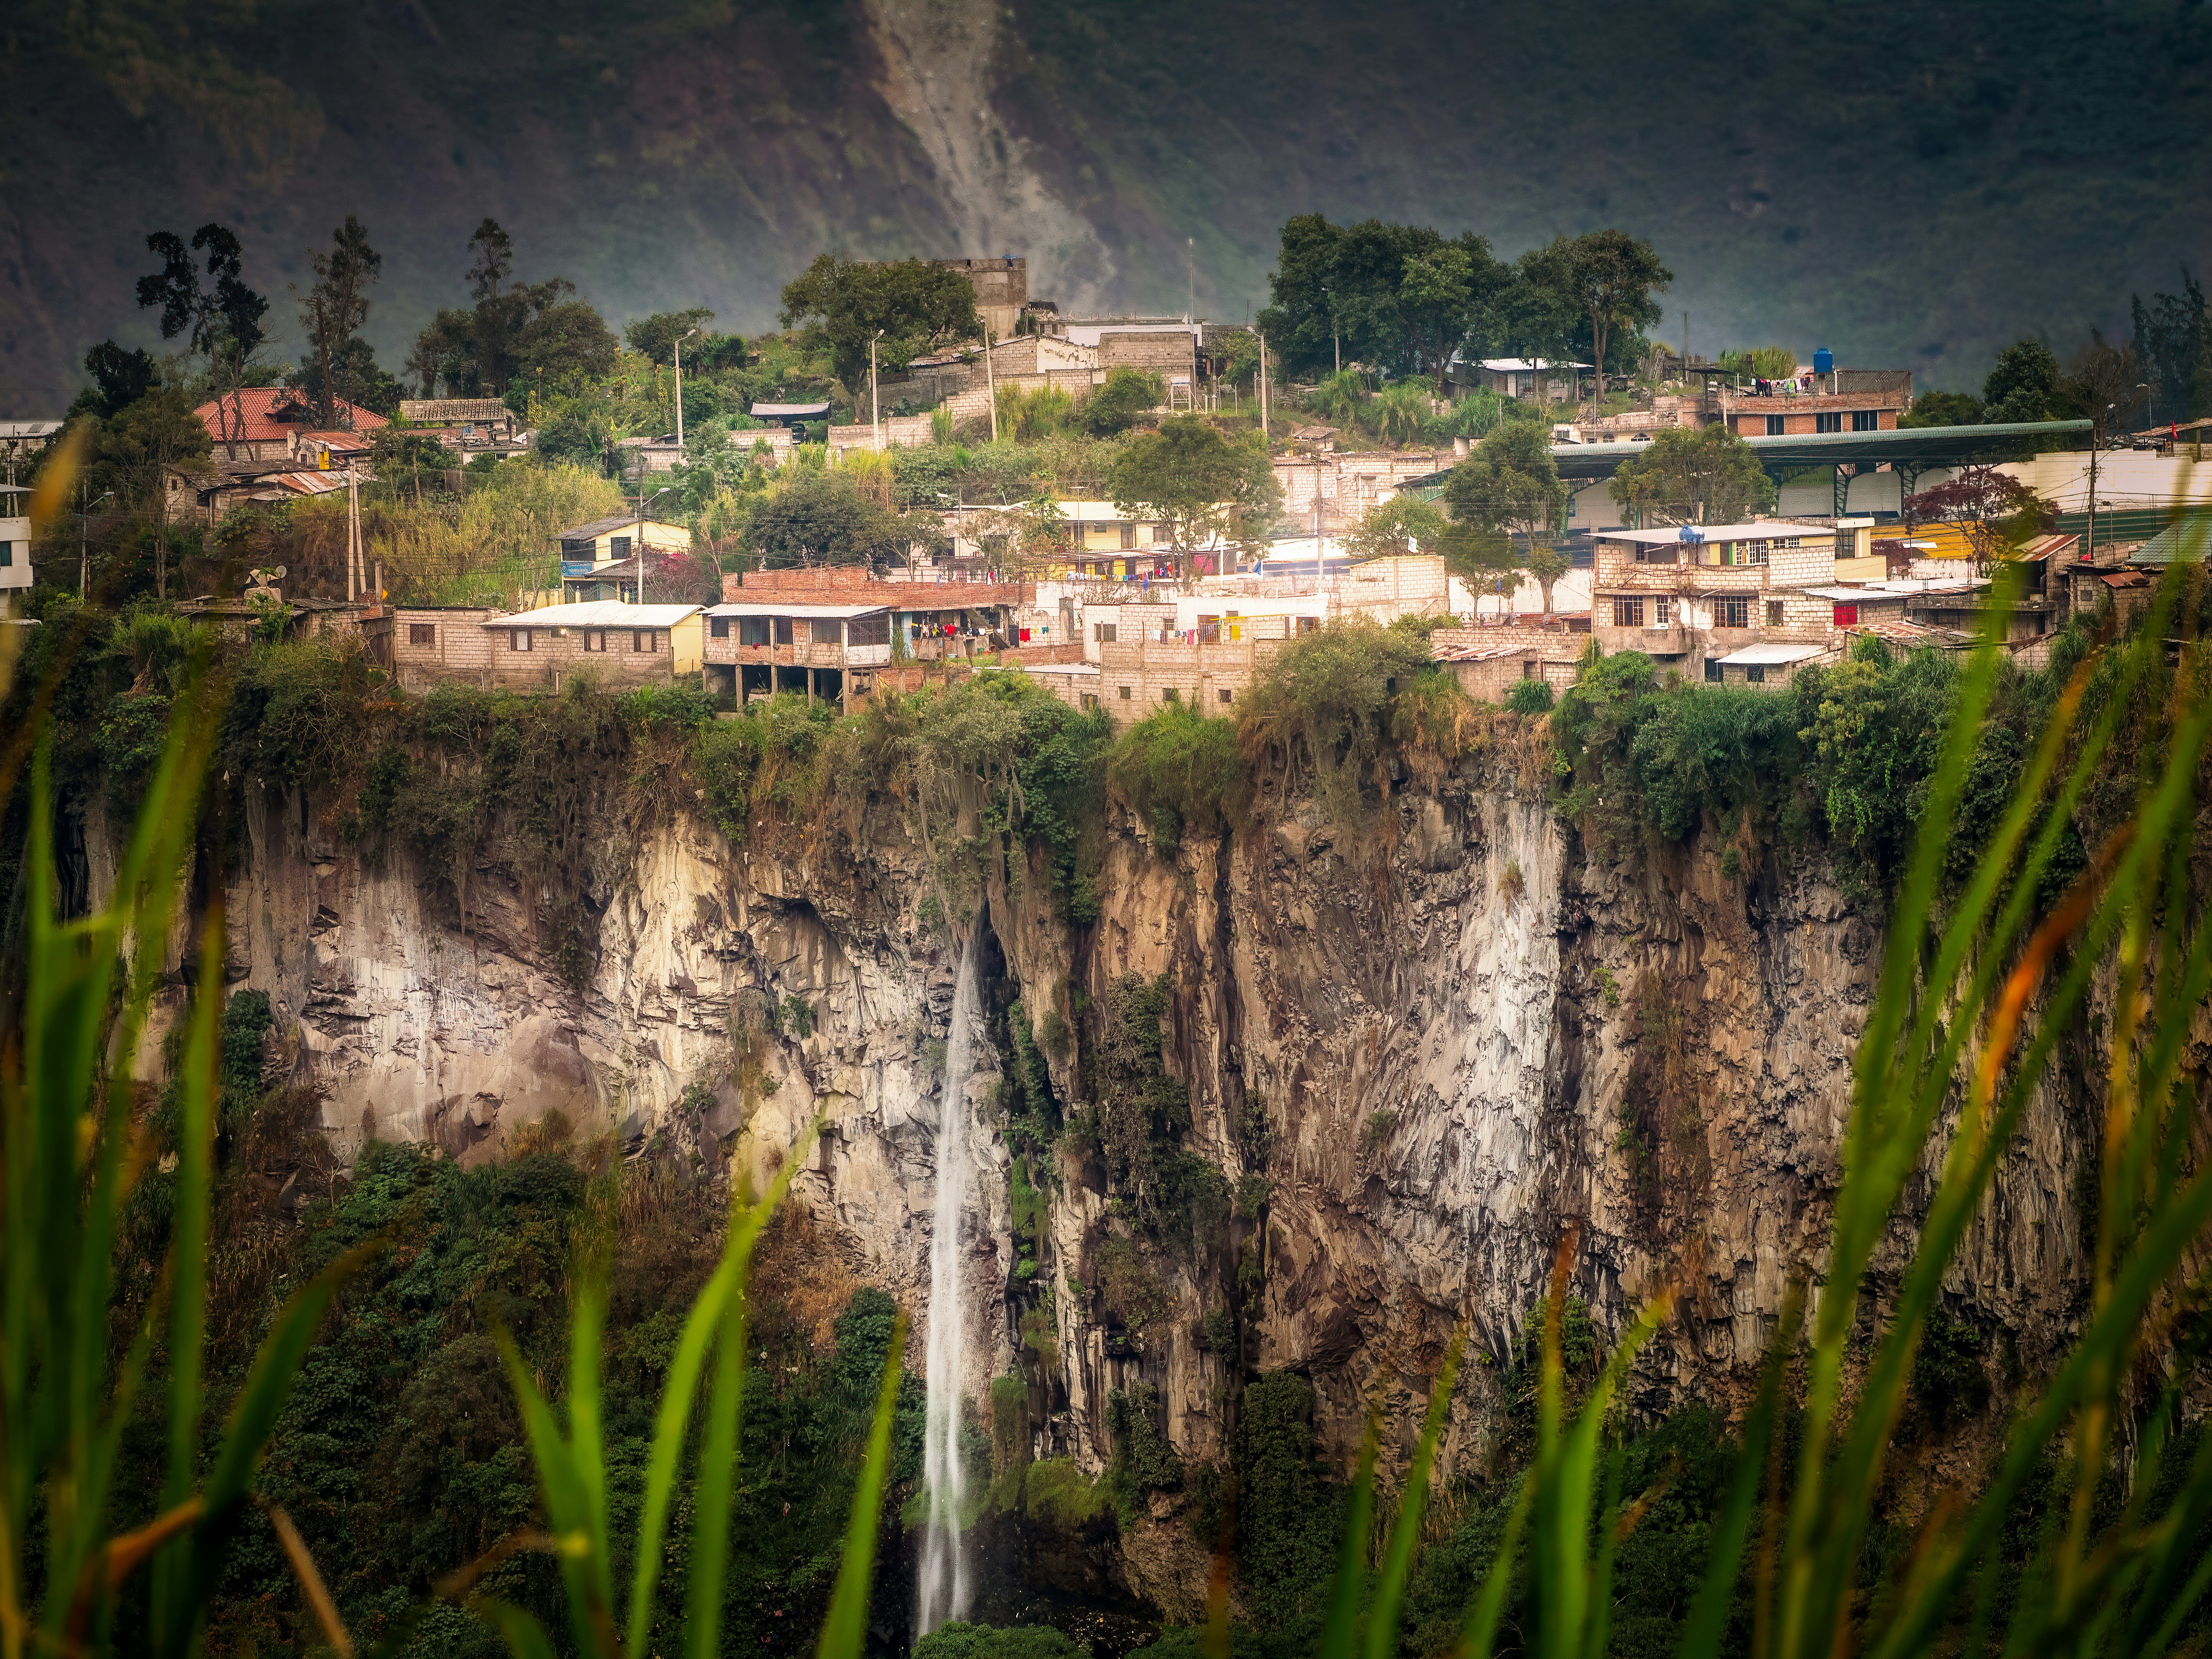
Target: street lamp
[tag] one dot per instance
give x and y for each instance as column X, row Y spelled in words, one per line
column 83, row 551
column 875, row 404
column 680, row 339
column 637, row 549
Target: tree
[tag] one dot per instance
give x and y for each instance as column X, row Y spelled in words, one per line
column 1538, row 314
column 2173, row 341
column 1404, row 524
column 1128, row 395
column 563, row 344
column 1943, row 409
column 2023, row 385
column 1995, row 510
column 1609, row 277
column 1511, row 484
column 1544, row 564
column 219, row 320
column 119, row 379
column 1187, row 476
column 1703, row 475
column 2103, row 385
column 1397, row 298
column 842, row 304
column 1402, row 411
column 655, row 336
column 137, row 448
column 445, row 352
column 820, row 518
column 333, row 310
column 395, row 450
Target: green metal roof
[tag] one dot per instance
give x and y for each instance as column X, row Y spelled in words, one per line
column 2182, row 542
column 1928, row 446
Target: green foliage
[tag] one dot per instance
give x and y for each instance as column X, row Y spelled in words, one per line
column 1950, row 1375
column 1684, row 475
column 1288, row 1510
column 1530, row 698
column 1942, row 409
column 1197, row 480
column 1181, row 760
column 1766, row 362
column 1131, row 1288
column 1399, row 298
column 1126, row 396
column 1143, row 1459
column 1323, row 707
column 841, row 304
column 957, row 1640
column 1142, row 1110
column 2024, row 384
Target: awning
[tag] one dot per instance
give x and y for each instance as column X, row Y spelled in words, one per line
column 1770, row 656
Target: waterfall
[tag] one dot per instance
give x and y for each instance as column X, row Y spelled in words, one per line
column 944, row 1588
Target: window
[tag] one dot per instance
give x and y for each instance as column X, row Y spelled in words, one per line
column 1847, row 616
column 783, row 631
column 1124, row 693
column 518, row 638
column 1170, row 695
column 417, row 633
column 595, row 639
column 1730, row 610
column 618, row 547
column 7, row 556
column 1831, row 421
column 754, row 630
column 1129, row 537
column 1227, row 696
column 1712, row 670
column 1105, row 633
column 1089, row 701
column 1774, row 613
column 1662, row 611
column 638, row 636
column 1627, row 612
column 1774, row 428
column 870, row 630
column 1528, row 668
column 1866, row 420
column 1755, row 673
column 719, row 627
column 1308, row 624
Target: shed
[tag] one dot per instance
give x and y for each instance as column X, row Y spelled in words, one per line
column 1763, row 665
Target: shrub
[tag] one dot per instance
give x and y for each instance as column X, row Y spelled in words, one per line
column 958, row 1640
column 1530, row 698
column 1322, row 705
column 1143, row 1459
column 1178, row 766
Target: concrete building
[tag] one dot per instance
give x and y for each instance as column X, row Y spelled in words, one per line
column 598, row 560
column 1690, row 595
column 756, row 647
column 622, row 645
column 15, row 538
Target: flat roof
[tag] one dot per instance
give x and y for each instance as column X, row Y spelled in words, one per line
column 1757, row 530
column 787, row 411
column 1931, row 446
column 1768, row 656
column 597, row 613
column 804, row 613
column 1857, row 595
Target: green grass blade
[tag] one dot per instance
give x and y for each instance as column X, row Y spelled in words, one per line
column 188, row 1259
column 568, row 1506
column 1346, row 1593
column 718, row 1461
column 673, row 1423
column 1479, row 1635
column 587, row 1439
column 1608, row 1541
column 846, row 1627
column 525, row 1637
column 1405, row 1534
column 1701, row 1631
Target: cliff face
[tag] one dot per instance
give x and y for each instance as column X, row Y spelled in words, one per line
column 1444, row 1041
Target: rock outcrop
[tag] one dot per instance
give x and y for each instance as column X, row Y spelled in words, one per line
column 1421, row 1052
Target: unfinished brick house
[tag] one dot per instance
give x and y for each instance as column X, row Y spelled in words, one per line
column 619, row 645
column 1690, row 597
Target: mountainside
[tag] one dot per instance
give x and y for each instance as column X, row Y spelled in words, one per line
column 1909, row 186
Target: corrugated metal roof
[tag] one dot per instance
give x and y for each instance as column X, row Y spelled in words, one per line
column 1769, row 656
column 2184, row 542
column 803, row 612
column 1856, row 595
column 597, row 613
column 1757, row 530
column 789, row 411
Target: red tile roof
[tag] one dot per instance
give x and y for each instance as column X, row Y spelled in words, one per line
column 264, row 407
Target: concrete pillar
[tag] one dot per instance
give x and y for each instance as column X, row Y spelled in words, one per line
column 810, row 685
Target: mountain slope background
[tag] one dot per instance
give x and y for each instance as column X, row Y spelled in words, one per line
column 1909, row 185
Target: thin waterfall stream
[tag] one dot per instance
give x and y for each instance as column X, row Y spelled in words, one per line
column 944, row 1590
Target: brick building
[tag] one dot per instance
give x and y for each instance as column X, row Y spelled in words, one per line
column 620, row 645
column 1689, row 596
column 268, row 422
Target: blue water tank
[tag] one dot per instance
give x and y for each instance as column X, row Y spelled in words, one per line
column 1824, row 361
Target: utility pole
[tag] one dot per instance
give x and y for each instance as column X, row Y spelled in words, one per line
column 83, row 544
column 991, row 382
column 1190, row 279
column 1263, row 386
column 875, row 403
column 680, row 339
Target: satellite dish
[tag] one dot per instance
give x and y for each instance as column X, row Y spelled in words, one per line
column 278, row 574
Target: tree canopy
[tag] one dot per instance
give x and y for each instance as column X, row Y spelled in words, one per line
column 332, row 312
column 518, row 338
column 1609, row 277
column 655, row 336
column 1198, row 481
column 840, row 304
column 1399, row 298
column 2025, row 385
column 821, row 518
column 1702, row 475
